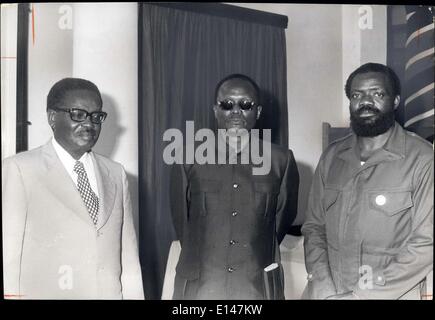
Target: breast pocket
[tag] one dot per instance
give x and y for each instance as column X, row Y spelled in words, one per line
column 390, row 203
column 266, row 195
column 204, row 196
column 387, row 221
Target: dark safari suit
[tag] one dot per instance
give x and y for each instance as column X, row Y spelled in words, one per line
column 230, row 223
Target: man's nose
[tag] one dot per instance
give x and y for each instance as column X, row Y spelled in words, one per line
column 366, row 100
column 236, row 108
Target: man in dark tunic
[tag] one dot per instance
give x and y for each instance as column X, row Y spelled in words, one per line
column 229, row 219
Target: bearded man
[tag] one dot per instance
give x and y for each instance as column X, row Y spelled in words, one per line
column 369, row 227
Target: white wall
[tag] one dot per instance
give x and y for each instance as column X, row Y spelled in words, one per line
column 364, row 40
column 9, row 14
column 50, row 59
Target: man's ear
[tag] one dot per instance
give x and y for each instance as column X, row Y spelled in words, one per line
column 51, row 116
column 259, row 109
column 215, row 110
column 396, row 101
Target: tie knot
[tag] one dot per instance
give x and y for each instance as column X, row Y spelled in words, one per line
column 79, row 168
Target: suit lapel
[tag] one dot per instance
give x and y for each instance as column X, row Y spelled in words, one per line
column 106, row 190
column 61, row 185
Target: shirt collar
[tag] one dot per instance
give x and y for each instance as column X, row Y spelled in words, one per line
column 67, row 160
column 396, row 142
column 393, row 149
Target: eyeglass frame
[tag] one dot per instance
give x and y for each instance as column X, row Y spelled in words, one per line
column 252, row 104
column 88, row 114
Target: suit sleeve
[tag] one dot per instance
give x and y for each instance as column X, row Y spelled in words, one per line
column 320, row 284
column 287, row 205
column 179, row 199
column 415, row 260
column 131, row 277
column 14, row 214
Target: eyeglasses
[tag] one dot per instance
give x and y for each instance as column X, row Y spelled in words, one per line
column 243, row 104
column 80, row 115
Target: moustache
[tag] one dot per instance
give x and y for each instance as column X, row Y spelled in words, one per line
column 89, row 131
column 366, row 108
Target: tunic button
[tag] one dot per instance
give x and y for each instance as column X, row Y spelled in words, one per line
column 232, row 242
column 235, row 185
column 234, row 213
column 230, row 269
column 380, row 200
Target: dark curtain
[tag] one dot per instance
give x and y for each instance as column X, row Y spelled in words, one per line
column 22, row 75
column 410, row 40
column 182, row 56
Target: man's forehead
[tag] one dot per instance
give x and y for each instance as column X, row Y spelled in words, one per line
column 371, row 79
column 237, row 87
column 81, row 97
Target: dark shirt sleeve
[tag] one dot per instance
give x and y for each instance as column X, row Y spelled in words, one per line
column 287, row 205
column 178, row 194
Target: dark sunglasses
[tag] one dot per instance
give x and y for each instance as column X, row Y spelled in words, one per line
column 243, row 104
column 80, row 115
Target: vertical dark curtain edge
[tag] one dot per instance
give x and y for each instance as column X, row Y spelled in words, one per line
column 22, row 68
column 140, row 133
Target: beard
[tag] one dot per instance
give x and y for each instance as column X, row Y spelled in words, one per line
column 372, row 126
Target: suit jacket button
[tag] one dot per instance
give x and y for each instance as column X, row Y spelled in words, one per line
column 234, row 213
column 232, row 242
column 230, row 269
column 235, row 185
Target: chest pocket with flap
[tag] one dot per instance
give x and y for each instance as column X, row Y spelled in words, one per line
column 390, row 203
column 266, row 195
column 204, row 195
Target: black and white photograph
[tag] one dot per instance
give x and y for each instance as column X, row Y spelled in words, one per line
column 218, row 153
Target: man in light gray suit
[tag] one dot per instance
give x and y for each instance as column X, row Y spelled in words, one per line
column 68, row 229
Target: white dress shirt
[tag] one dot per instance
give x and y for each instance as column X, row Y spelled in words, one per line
column 68, row 162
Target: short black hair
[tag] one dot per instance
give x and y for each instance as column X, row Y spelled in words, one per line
column 375, row 67
column 57, row 93
column 237, row 76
